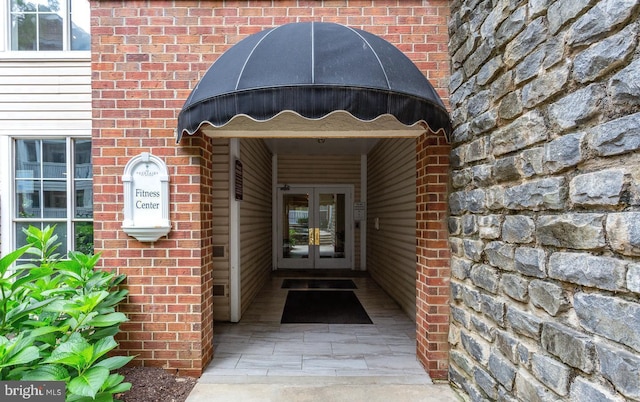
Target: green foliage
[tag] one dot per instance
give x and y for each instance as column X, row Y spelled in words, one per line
column 84, row 237
column 293, row 237
column 58, row 320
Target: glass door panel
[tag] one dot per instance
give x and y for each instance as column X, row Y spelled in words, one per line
column 331, row 225
column 333, row 219
column 314, row 227
column 293, row 228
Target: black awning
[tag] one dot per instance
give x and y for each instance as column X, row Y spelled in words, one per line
column 313, row 69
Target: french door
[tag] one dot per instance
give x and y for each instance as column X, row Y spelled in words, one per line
column 314, row 227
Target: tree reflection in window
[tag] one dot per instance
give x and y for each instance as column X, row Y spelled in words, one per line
column 46, row 25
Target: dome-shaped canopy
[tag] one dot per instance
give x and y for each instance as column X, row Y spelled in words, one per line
column 313, row 69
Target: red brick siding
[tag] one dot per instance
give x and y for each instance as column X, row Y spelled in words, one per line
column 138, row 87
column 146, row 58
column 432, row 254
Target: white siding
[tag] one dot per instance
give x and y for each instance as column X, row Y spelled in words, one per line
column 391, row 250
column 45, row 97
column 255, row 219
column 221, row 267
column 320, row 169
column 41, row 98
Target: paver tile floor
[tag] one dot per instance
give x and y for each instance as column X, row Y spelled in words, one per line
column 260, row 346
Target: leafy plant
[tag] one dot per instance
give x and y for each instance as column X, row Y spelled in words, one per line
column 292, row 237
column 84, row 237
column 58, row 320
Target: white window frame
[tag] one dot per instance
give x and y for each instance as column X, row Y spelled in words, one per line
column 5, row 44
column 7, row 186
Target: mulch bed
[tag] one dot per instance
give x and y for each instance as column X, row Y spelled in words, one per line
column 152, row 384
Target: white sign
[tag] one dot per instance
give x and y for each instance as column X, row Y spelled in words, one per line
column 146, row 198
column 359, row 211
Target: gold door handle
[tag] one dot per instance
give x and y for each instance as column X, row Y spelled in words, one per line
column 314, row 236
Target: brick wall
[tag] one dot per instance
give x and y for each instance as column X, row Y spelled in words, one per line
column 432, row 253
column 144, row 63
column 146, row 58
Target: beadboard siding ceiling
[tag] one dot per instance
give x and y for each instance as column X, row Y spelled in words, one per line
column 391, row 249
column 45, row 95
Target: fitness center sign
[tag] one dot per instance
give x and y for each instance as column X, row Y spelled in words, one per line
column 146, row 198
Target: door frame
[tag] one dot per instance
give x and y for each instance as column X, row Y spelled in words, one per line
column 349, row 223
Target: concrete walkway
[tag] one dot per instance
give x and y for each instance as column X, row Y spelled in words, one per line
column 322, row 389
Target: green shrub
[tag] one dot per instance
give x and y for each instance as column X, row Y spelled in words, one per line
column 58, row 320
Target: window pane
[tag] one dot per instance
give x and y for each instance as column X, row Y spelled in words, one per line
column 49, row 5
column 84, row 237
column 80, row 25
column 55, row 199
column 21, row 5
column 50, row 25
column 332, row 225
column 24, row 34
column 28, row 199
column 295, row 217
column 54, row 157
column 21, row 238
column 50, row 32
column 48, row 197
column 84, row 199
column 27, row 159
column 61, row 231
column 83, row 159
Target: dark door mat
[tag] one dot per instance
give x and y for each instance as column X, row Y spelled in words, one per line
column 318, row 284
column 323, row 307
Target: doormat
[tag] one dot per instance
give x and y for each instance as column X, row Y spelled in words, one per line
column 323, row 307
column 318, row 284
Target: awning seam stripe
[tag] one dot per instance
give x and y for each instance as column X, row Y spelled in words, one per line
column 244, row 65
column 313, row 54
column 375, row 54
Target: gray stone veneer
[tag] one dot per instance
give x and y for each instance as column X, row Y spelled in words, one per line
column 545, row 200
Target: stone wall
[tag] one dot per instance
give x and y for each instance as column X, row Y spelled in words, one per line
column 545, row 202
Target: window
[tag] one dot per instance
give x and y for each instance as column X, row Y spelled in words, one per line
column 54, row 186
column 45, row 25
